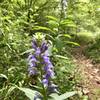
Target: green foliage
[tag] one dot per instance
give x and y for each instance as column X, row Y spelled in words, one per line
column 63, row 96
column 93, row 51
column 31, row 93
column 20, row 19
column 85, row 37
column 66, row 73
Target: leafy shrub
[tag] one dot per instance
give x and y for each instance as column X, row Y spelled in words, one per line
column 93, row 51
column 85, row 37
column 65, row 74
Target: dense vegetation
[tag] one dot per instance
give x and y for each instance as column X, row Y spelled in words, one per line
column 63, row 25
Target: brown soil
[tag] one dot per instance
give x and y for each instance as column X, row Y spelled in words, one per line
column 89, row 72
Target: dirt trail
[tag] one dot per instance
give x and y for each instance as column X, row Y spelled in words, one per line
column 90, row 74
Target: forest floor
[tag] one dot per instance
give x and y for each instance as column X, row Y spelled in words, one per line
column 89, row 72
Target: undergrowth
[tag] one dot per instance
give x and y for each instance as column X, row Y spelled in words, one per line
column 93, row 51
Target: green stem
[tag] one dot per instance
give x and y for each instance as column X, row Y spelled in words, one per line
column 44, row 89
column 44, row 92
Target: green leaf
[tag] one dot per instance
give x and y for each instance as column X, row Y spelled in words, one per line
column 10, row 90
column 37, row 87
column 64, row 35
column 67, row 95
column 54, row 96
column 68, row 23
column 28, row 92
column 42, row 28
column 71, row 25
column 52, row 18
column 51, row 37
column 59, row 44
column 4, row 76
column 64, row 96
column 53, row 24
column 62, row 57
column 74, row 43
column 27, row 51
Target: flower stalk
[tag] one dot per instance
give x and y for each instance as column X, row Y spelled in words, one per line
column 40, row 64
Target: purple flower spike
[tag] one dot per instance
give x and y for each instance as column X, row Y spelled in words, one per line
column 49, row 66
column 44, row 47
column 30, row 56
column 38, row 51
column 45, row 82
column 41, row 59
column 32, row 71
column 46, row 59
column 49, row 74
column 32, row 64
column 33, row 59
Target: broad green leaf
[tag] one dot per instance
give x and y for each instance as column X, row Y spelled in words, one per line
column 64, row 96
column 68, row 23
column 54, row 96
column 42, row 28
column 67, row 95
column 28, row 92
column 53, row 24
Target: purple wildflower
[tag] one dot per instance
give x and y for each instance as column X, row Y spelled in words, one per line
column 41, row 56
column 38, row 51
column 44, row 47
column 49, row 74
column 32, row 71
column 30, row 56
column 49, row 66
column 32, row 60
column 45, row 82
column 32, row 64
column 46, row 59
